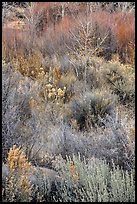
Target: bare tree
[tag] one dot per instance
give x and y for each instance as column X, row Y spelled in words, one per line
column 125, row 6
column 85, row 40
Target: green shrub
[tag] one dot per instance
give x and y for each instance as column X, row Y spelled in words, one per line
column 88, row 70
column 94, row 182
column 121, row 79
column 84, row 180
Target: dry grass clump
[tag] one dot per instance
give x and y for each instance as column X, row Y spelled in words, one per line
column 68, row 80
column 17, row 159
column 28, row 65
column 54, row 94
column 50, row 90
column 57, row 86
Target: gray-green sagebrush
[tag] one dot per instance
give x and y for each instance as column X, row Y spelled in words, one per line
column 96, row 182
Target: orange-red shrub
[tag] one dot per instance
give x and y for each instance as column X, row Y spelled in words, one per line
column 124, row 30
column 55, row 29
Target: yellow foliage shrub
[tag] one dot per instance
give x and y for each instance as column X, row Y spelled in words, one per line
column 17, row 183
